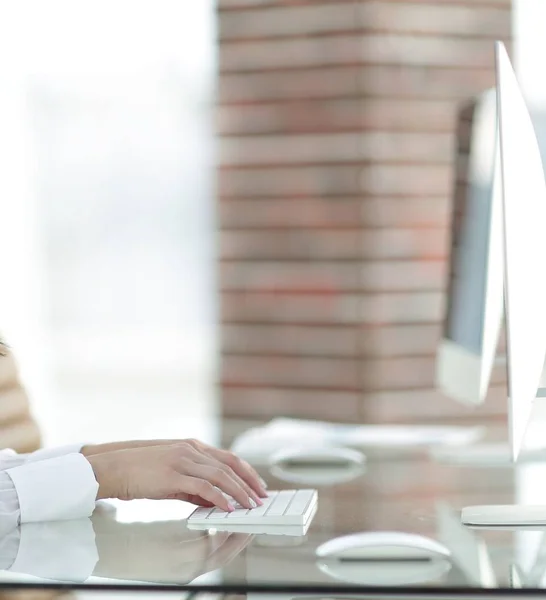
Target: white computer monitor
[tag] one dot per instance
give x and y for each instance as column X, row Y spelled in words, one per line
column 466, row 353
column 524, row 245
column 466, row 372
column 524, row 208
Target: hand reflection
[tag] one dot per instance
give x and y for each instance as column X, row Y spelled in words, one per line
column 161, row 552
column 154, row 552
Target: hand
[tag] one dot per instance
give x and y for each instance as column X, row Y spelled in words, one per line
column 187, row 470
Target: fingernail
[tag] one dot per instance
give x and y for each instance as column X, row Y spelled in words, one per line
column 264, row 484
column 231, row 508
column 252, row 502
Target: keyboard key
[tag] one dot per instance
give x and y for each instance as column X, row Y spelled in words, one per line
column 202, row 513
column 217, row 515
column 256, row 512
column 238, row 513
column 281, row 503
column 300, row 502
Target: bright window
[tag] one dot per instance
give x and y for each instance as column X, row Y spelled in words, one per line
column 106, row 202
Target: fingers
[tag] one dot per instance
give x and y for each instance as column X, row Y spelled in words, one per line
column 219, row 477
column 238, row 465
column 210, row 461
column 243, row 470
column 196, row 500
column 194, row 463
column 201, row 488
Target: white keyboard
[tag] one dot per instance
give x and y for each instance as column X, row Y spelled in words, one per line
column 288, row 507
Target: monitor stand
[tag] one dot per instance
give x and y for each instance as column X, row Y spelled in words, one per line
column 510, row 515
column 498, row 454
column 507, row 515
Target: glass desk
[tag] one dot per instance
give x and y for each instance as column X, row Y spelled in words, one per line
column 146, row 545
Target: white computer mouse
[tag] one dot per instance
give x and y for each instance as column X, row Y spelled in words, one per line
column 317, row 456
column 382, row 546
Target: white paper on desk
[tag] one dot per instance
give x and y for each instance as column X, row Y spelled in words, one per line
column 256, row 445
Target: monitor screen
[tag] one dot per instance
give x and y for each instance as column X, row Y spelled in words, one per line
column 471, row 219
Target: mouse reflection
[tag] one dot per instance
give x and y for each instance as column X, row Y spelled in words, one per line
column 384, row 558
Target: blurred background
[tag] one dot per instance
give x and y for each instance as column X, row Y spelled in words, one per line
column 107, row 200
column 240, row 206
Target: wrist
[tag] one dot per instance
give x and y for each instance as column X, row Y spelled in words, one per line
column 94, row 449
column 89, row 450
column 102, row 475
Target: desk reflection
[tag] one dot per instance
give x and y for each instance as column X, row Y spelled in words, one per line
column 159, row 552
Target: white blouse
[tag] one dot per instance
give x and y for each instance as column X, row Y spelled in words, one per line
column 47, row 485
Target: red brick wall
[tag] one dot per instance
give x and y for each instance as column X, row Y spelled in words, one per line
column 336, row 125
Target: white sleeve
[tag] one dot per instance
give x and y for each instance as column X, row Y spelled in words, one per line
column 55, row 489
column 9, row 458
column 47, row 485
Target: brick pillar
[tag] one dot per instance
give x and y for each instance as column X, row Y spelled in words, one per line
column 336, row 125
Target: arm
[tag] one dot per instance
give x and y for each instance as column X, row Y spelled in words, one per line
column 247, row 472
column 33, row 498
column 46, row 485
column 93, row 449
column 51, row 485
